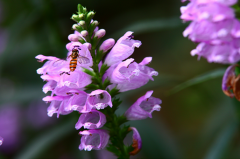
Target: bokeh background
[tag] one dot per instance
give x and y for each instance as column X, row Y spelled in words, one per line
column 196, row 120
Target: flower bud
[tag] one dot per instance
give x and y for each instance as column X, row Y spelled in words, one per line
column 74, row 26
column 95, row 22
column 81, row 16
column 74, row 16
column 74, row 37
column 84, row 9
column 100, row 33
column 84, row 33
column 90, row 15
column 82, row 22
column 107, row 45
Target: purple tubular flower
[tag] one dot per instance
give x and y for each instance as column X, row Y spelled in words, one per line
column 107, row 45
column 93, row 139
column 59, row 105
column 99, row 99
column 1, row 140
column 214, row 26
column 231, row 82
column 76, row 79
column 225, row 53
column 49, row 86
column 78, row 102
column 83, row 51
column 227, row 80
column 137, row 141
column 91, row 120
column 122, row 49
column 143, row 107
column 129, row 75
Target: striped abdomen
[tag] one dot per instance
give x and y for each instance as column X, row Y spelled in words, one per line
column 73, row 64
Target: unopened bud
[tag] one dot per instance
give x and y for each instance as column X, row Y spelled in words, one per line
column 74, row 38
column 74, row 16
column 82, row 22
column 84, row 9
column 95, row 22
column 90, row 15
column 100, row 33
column 74, row 26
column 84, row 33
column 88, row 45
column 107, row 45
column 81, row 16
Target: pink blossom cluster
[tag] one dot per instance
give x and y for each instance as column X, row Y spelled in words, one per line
column 215, row 28
column 67, row 87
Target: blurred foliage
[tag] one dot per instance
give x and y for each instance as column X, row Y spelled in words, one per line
column 196, row 122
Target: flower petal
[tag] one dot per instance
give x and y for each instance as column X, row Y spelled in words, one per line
column 122, row 49
column 143, row 107
column 137, row 141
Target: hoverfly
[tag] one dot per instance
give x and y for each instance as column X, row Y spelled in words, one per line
column 75, row 58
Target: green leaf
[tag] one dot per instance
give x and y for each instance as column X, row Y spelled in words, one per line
column 80, row 9
column 92, row 86
column 199, row 79
column 222, row 140
column 106, row 83
column 103, row 69
column 113, row 149
column 46, row 140
column 113, row 92
column 87, row 71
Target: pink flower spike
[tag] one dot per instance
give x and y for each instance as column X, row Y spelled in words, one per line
column 137, row 141
column 143, row 107
column 99, row 99
column 92, row 120
column 122, row 49
column 93, row 139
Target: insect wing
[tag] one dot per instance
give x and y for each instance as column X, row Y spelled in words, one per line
column 83, row 60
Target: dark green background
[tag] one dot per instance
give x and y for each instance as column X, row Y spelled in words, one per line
column 197, row 122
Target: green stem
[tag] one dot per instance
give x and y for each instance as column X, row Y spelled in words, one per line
column 117, row 133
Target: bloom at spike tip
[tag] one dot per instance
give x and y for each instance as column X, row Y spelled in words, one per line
column 95, row 139
column 143, row 107
column 137, row 141
column 122, row 49
column 92, row 120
